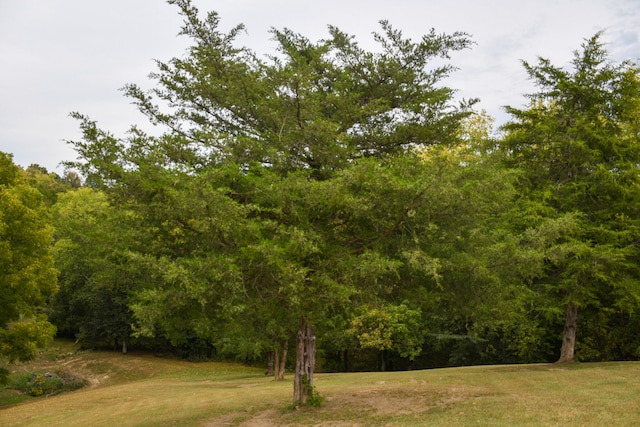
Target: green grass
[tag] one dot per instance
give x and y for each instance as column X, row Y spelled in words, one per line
column 141, row 390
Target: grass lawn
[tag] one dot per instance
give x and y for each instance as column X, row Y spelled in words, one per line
column 142, row 390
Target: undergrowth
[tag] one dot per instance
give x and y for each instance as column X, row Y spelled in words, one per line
column 44, row 383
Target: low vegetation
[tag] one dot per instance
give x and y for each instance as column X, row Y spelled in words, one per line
column 143, row 390
column 45, row 383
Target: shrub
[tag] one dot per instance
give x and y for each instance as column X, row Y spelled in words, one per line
column 39, row 384
column 315, row 399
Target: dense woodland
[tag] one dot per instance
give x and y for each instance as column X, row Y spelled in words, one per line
column 332, row 208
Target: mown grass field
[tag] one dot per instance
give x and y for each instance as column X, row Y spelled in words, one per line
column 143, row 390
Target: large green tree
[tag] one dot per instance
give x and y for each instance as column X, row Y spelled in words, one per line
column 578, row 145
column 261, row 204
column 27, row 273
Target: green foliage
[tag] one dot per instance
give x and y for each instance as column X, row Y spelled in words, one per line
column 314, row 399
column 312, row 106
column 28, row 276
column 395, row 327
column 51, row 184
column 44, row 383
column 96, row 275
column 281, row 188
column 20, row 340
column 342, row 186
column 580, row 160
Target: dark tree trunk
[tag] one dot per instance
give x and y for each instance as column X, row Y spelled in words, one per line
column 276, row 364
column 569, row 334
column 305, row 364
column 383, row 365
column 271, row 363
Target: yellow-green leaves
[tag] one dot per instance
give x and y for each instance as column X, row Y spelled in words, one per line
column 27, row 275
column 391, row 327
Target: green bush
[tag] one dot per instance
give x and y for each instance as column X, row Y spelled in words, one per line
column 314, row 399
column 44, row 383
column 4, row 376
column 19, row 381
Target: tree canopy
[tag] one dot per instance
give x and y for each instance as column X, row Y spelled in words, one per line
column 267, row 159
column 28, row 277
column 578, row 145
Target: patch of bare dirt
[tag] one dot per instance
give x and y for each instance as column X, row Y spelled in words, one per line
column 265, row 418
column 379, row 400
column 79, row 368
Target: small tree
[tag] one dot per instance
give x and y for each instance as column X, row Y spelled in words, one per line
column 395, row 327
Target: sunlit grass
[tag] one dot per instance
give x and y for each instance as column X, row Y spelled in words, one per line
column 141, row 390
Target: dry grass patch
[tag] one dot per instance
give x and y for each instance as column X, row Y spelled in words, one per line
column 141, row 390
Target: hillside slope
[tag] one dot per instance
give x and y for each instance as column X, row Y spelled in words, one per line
column 142, row 390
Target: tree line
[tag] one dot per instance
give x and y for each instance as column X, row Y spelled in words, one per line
column 336, row 206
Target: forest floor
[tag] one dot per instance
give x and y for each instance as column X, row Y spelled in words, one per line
column 143, row 390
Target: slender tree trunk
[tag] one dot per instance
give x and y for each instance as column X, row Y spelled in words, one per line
column 382, row 362
column 280, row 361
column 271, row 363
column 305, row 364
column 283, row 360
column 569, row 334
column 124, row 346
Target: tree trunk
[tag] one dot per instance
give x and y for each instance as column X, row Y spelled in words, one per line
column 124, row 346
column 271, row 363
column 569, row 334
column 280, row 361
column 382, row 361
column 305, row 364
column 283, row 360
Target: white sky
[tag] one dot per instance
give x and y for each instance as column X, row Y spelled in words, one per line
column 74, row 55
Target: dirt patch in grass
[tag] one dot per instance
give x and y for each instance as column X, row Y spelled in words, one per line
column 382, row 401
column 264, row 418
column 351, row 407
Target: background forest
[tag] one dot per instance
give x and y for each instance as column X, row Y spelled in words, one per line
column 333, row 208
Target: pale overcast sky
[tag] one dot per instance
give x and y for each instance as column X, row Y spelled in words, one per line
column 59, row 56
